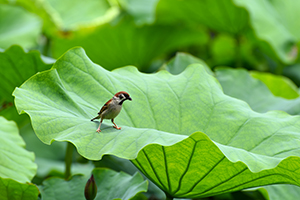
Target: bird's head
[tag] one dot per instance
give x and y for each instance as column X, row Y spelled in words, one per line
column 121, row 97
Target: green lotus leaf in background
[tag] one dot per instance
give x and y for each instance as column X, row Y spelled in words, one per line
column 279, row 85
column 179, row 63
column 269, row 27
column 67, row 17
column 239, row 84
column 279, row 192
column 15, row 162
column 121, row 44
column 110, row 185
column 58, row 188
column 118, row 185
column 16, row 66
column 64, row 16
column 23, row 30
column 288, row 12
column 13, row 190
column 143, row 12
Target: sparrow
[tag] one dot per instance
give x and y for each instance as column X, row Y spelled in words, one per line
column 112, row 108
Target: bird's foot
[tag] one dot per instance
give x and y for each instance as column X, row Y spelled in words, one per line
column 116, row 127
column 98, row 130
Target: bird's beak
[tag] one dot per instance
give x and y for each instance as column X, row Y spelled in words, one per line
column 129, row 98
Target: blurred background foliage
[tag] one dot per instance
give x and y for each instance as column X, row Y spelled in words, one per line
column 257, row 35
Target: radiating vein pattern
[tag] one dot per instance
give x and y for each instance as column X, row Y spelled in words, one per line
column 196, row 167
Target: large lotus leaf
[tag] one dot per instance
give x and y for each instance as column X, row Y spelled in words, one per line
column 62, row 101
column 13, row 190
column 23, row 29
column 15, row 162
column 165, row 108
column 239, row 84
column 278, row 85
column 110, row 185
column 124, row 43
column 197, row 167
column 16, row 66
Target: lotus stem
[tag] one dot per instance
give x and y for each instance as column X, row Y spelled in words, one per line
column 238, row 53
column 68, row 160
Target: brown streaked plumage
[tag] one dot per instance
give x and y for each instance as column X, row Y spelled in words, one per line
column 112, row 108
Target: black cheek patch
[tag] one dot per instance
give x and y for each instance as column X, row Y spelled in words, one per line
column 121, row 102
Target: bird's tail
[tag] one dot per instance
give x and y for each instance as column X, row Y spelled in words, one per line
column 95, row 118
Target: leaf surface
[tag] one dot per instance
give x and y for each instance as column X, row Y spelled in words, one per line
column 16, row 66
column 15, row 162
column 269, row 27
column 13, row 190
column 179, row 63
column 61, row 93
column 197, row 167
column 67, row 17
column 278, row 192
column 23, row 30
column 142, row 11
column 278, row 85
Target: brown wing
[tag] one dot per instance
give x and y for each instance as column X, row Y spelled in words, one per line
column 104, row 107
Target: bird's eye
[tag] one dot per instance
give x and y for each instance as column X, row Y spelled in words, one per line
column 121, row 96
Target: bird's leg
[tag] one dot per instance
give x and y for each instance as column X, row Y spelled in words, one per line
column 98, row 130
column 115, row 125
